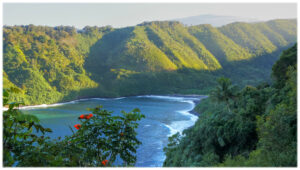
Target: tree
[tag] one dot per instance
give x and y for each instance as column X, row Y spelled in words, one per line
column 224, row 92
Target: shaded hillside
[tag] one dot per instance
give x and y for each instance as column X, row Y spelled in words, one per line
column 221, row 46
column 255, row 37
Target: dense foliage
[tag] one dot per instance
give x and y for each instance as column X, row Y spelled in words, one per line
column 53, row 64
column 253, row 126
column 101, row 139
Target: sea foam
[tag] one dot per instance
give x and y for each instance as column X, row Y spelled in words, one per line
column 179, row 126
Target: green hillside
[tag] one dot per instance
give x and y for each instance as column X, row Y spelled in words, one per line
column 52, row 64
column 248, row 37
column 220, row 45
column 176, row 41
column 45, row 63
column 286, row 28
column 261, row 38
column 154, row 46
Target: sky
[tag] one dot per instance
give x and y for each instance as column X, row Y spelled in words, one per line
column 130, row 14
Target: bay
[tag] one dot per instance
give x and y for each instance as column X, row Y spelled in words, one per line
column 165, row 115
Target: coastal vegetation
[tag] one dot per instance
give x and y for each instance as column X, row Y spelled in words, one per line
column 254, row 126
column 99, row 140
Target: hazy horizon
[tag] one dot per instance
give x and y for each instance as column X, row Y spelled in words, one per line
column 120, row 15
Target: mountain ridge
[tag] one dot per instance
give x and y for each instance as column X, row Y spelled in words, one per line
column 100, row 60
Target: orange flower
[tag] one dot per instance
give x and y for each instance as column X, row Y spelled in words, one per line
column 89, row 116
column 81, row 117
column 122, row 134
column 104, row 162
column 77, row 126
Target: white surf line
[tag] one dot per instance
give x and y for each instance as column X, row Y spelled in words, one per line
column 59, row 104
column 169, row 97
column 41, row 106
column 118, row 98
column 180, row 126
column 161, row 97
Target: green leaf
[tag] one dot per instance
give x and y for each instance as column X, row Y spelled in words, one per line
column 221, row 141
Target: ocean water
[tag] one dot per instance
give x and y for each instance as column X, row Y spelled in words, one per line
column 165, row 116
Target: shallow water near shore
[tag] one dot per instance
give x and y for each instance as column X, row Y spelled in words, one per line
column 165, row 115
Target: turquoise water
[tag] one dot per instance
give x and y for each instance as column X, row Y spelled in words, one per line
column 164, row 116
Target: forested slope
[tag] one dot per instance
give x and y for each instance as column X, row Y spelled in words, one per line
column 52, row 64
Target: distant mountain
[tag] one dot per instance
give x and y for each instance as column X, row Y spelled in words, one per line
column 214, row 20
column 51, row 64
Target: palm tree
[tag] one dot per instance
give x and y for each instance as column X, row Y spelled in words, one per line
column 224, row 92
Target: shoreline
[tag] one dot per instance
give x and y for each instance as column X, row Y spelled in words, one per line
column 174, row 127
column 196, row 102
column 199, row 98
